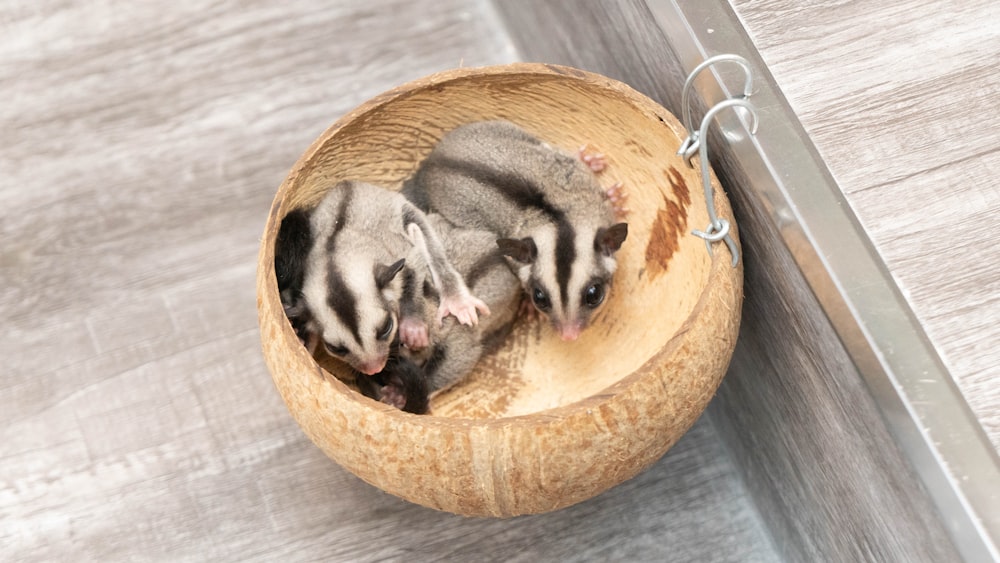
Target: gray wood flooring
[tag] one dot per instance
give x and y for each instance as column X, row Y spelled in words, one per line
column 909, row 129
column 140, row 147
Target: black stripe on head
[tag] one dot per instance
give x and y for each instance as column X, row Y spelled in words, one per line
column 338, row 224
column 519, row 191
column 342, row 301
column 565, row 257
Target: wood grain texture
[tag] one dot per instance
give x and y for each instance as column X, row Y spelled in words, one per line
column 915, row 98
column 793, row 410
column 140, row 147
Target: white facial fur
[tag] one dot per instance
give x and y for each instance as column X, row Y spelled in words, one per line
column 588, row 268
column 363, row 349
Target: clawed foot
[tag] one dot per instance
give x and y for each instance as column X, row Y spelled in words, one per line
column 413, row 333
column 463, row 308
column 594, row 160
column 617, row 197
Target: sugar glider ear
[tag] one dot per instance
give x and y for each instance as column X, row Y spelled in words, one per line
column 385, row 274
column 523, row 250
column 609, row 240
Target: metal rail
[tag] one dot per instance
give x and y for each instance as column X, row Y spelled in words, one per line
column 922, row 406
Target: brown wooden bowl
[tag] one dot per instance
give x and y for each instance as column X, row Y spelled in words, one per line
column 541, row 424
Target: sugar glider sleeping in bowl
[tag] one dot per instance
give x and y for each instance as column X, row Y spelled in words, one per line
column 345, row 273
column 415, row 373
column 454, row 348
column 555, row 223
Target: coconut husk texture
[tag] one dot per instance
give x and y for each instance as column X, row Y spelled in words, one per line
column 541, row 424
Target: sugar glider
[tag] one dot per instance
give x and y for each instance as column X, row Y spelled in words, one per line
column 455, row 349
column 291, row 251
column 415, row 372
column 401, row 383
column 358, row 280
column 555, row 224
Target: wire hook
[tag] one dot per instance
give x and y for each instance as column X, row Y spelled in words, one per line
column 718, row 229
column 690, row 145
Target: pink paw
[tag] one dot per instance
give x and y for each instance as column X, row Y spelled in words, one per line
column 413, row 333
column 594, row 160
column 463, row 308
column 617, row 197
column 392, row 395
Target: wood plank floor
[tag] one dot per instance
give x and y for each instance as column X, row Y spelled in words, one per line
column 140, row 147
column 900, row 101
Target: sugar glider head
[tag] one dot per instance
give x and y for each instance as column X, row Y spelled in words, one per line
column 566, row 271
column 356, row 312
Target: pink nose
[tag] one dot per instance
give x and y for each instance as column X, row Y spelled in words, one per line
column 373, row 367
column 570, row 332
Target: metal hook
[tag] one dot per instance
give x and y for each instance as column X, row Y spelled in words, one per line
column 718, row 229
column 690, row 145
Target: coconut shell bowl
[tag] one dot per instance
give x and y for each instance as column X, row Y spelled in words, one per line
column 540, row 424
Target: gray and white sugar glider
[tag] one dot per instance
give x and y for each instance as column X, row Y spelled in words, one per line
column 554, row 221
column 455, row 349
column 358, row 280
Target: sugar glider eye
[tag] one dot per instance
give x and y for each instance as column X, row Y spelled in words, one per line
column 594, row 295
column 385, row 331
column 541, row 299
column 339, row 351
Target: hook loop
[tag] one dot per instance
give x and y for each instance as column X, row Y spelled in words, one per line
column 690, row 145
column 717, row 229
column 714, row 232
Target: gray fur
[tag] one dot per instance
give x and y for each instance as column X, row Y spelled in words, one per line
column 355, row 273
column 455, row 349
column 553, row 218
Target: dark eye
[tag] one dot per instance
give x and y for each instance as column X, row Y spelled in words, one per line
column 385, row 331
column 594, row 295
column 339, row 351
column 541, row 299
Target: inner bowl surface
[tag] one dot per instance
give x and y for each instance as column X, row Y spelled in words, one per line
column 542, row 423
